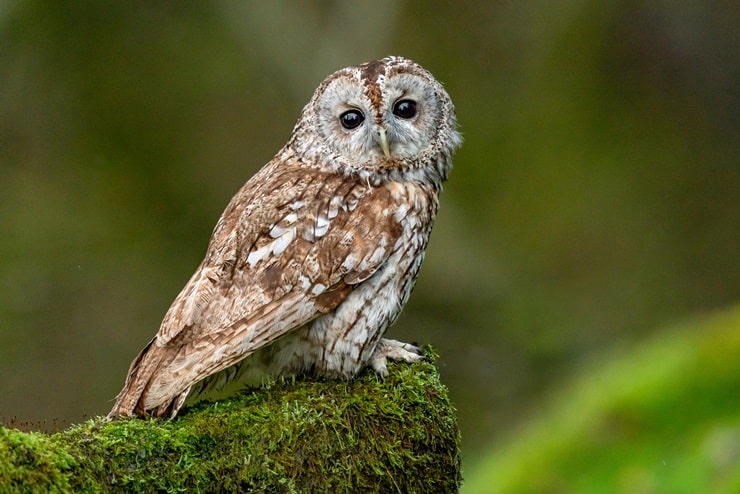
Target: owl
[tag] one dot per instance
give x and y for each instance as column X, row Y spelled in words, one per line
column 316, row 255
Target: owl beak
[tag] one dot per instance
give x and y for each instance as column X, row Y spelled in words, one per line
column 383, row 141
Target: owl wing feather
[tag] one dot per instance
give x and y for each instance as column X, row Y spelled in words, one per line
column 289, row 247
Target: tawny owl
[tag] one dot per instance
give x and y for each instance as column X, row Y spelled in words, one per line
column 318, row 252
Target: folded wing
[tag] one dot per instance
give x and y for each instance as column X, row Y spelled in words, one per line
column 289, row 247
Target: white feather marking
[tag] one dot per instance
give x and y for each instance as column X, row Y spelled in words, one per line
column 296, row 205
column 259, row 254
column 322, row 226
column 277, row 231
column 349, row 262
column 335, row 205
column 377, row 255
column 281, row 243
column 318, row 289
column 291, row 218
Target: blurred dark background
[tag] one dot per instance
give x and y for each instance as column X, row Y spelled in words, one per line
column 597, row 195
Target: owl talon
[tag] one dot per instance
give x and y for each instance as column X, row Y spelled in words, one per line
column 393, row 350
column 381, row 370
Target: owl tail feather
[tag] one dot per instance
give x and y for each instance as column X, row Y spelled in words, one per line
column 131, row 401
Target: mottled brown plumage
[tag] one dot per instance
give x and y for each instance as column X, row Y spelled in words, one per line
column 316, row 255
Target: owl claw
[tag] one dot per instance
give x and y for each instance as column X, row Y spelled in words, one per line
column 393, row 350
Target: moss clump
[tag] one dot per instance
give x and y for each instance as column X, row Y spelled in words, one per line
column 32, row 462
column 400, row 435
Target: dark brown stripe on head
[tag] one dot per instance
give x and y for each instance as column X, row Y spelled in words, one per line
column 371, row 71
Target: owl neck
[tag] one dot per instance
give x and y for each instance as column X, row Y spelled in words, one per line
column 427, row 176
column 428, row 168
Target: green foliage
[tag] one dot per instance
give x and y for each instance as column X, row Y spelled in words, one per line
column 662, row 418
column 399, row 435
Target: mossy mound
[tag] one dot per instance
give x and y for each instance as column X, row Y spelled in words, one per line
column 399, row 435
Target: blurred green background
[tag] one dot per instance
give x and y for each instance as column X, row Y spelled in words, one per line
column 595, row 202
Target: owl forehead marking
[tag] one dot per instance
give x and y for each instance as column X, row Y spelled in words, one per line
column 372, row 75
column 371, row 70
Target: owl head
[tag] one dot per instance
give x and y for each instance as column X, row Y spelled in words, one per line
column 385, row 119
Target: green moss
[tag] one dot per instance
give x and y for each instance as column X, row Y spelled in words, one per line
column 400, row 435
column 32, row 462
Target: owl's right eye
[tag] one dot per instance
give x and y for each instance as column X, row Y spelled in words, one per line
column 351, row 119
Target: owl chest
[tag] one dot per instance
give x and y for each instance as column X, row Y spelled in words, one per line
column 407, row 263
column 415, row 213
column 415, row 210
column 348, row 335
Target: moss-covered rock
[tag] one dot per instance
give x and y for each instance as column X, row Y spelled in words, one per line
column 399, row 435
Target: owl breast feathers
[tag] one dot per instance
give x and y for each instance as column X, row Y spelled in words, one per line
column 318, row 252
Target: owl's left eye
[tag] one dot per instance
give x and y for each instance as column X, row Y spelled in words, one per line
column 351, row 119
column 405, row 108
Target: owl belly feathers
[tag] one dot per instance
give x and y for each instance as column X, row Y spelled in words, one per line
column 316, row 255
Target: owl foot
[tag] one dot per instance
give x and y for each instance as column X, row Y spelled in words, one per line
column 394, row 350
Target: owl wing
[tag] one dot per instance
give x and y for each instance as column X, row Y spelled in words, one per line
column 289, row 247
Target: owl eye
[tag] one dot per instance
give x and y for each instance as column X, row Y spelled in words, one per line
column 405, row 108
column 351, row 119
